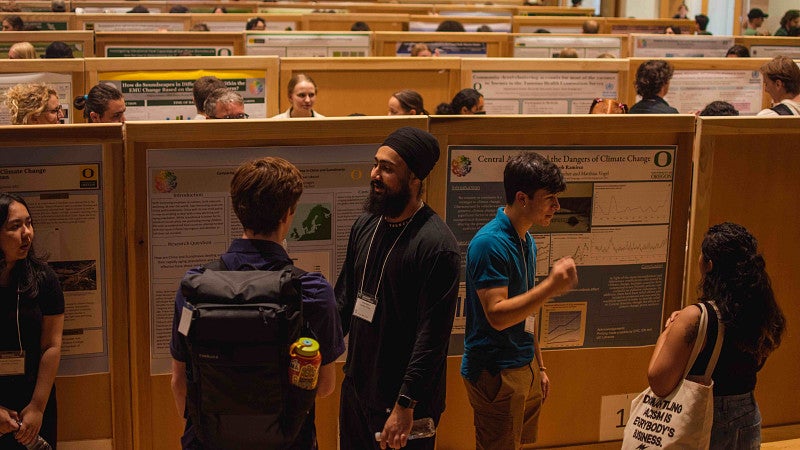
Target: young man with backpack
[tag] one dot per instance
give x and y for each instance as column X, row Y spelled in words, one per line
column 236, row 394
column 782, row 83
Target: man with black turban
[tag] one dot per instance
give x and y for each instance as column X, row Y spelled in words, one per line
column 396, row 296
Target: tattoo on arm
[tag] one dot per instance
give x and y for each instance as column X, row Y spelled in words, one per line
column 691, row 336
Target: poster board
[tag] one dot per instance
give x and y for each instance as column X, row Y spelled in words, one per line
column 238, row 22
column 449, row 44
column 81, row 42
column 116, row 7
column 699, row 81
column 564, row 423
column 153, row 22
column 542, row 45
column 364, row 85
column 544, row 86
column 48, row 21
column 213, row 150
column 763, row 152
column 553, row 11
column 132, row 44
column 770, row 47
column 553, row 24
column 309, row 44
column 428, row 24
column 71, row 178
column 66, row 76
column 679, row 46
column 240, row 7
column 646, row 26
column 161, row 88
column 343, row 21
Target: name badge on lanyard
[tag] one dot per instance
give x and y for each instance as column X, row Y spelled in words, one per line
column 12, row 363
column 530, row 324
column 365, row 306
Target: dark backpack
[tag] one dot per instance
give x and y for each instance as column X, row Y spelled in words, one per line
column 782, row 110
column 238, row 390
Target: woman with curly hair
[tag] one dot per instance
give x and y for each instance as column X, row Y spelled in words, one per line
column 738, row 294
column 652, row 84
column 33, row 104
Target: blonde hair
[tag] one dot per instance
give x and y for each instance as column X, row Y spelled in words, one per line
column 22, row 50
column 27, row 100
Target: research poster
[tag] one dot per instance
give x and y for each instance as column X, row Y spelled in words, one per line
column 463, row 49
column 63, row 189
column 430, row 27
column 550, row 46
column 692, row 90
column 544, row 92
column 167, row 95
column 191, row 220
column 771, row 51
column 137, row 51
column 614, row 222
column 678, row 45
column 556, row 29
column 134, row 26
column 60, row 82
column 300, row 44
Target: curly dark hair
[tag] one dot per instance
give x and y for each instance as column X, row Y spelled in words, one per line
column 651, row 76
column 739, row 285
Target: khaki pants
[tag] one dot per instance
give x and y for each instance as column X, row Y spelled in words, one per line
column 506, row 407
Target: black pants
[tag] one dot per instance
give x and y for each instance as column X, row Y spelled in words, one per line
column 358, row 423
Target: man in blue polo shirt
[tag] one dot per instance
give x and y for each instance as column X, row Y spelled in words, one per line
column 502, row 365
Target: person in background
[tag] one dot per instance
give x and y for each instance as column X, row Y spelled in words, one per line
column 58, row 6
column 256, row 24
column 652, row 83
column 577, row 3
column 672, row 29
column 502, row 367
column 782, row 83
column 738, row 51
column 607, row 55
column 359, row 26
column 683, row 12
column 421, row 50
column 737, row 292
column 224, row 104
column 179, row 9
column 139, row 9
column 568, row 52
column 302, row 93
column 396, row 294
column 607, row 106
column 406, row 103
column 702, row 23
column 202, row 87
column 219, row 10
column 755, row 18
column 200, row 27
column 451, row 26
column 13, row 23
column 790, row 24
column 31, row 328
column 33, row 104
column 590, row 27
column 103, row 104
column 58, row 50
column 719, row 108
column 467, row 101
column 22, row 50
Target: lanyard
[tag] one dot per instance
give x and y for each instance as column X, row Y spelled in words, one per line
column 19, row 334
column 369, row 249
column 524, row 262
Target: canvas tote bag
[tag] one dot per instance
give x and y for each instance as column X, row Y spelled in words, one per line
column 683, row 419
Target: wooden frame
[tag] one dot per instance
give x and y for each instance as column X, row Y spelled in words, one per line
column 792, row 44
column 51, row 21
column 106, row 393
column 133, row 22
column 469, row 22
column 73, row 67
column 559, row 24
column 82, row 41
column 364, row 85
column 343, row 21
column 238, row 22
column 623, row 40
column 385, row 43
column 652, row 26
column 187, row 39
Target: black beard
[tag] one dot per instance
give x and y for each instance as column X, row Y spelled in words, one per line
column 387, row 204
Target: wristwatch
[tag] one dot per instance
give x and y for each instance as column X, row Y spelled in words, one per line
column 406, row 401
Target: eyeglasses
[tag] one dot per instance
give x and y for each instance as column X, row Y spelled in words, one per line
column 232, row 116
column 55, row 110
column 610, row 106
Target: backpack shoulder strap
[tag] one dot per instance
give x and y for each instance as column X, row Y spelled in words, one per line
column 782, row 110
column 217, row 264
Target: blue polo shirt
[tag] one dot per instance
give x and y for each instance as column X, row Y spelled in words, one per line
column 496, row 257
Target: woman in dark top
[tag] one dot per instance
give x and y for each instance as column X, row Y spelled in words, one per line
column 735, row 280
column 31, row 324
column 652, row 83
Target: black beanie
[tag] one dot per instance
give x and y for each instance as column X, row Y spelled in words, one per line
column 418, row 148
